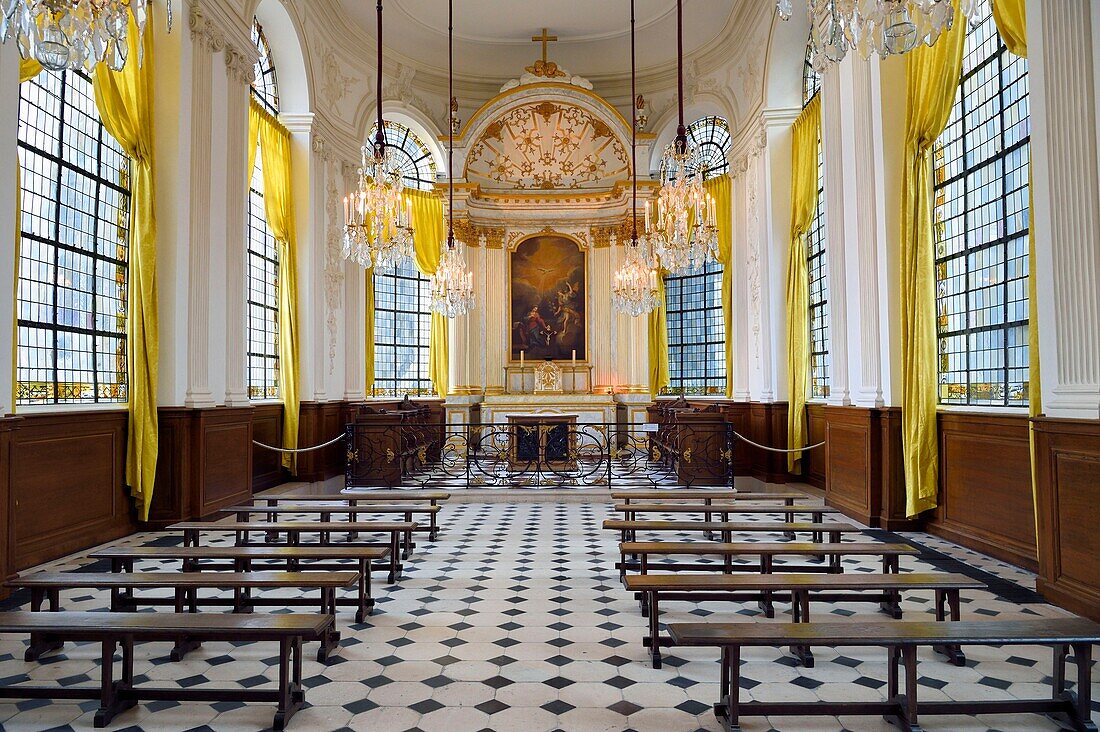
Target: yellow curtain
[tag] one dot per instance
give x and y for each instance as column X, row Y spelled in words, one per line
column 807, row 134
column 256, row 115
column 275, row 152
column 1011, row 23
column 719, row 189
column 932, row 78
column 368, row 331
column 429, row 233
column 658, row 343
column 125, row 102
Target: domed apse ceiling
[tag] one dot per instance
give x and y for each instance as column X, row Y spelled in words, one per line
column 493, row 37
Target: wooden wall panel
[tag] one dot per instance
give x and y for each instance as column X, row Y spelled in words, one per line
column 892, row 510
column 769, row 427
column 224, row 439
column 172, row 496
column 7, row 427
column 738, row 414
column 813, row 461
column 67, row 485
column 985, row 485
column 1068, row 490
column 853, row 462
column 267, row 427
column 319, row 423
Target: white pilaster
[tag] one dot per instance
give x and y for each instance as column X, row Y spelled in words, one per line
column 239, row 70
column 9, row 162
column 836, row 241
column 1066, row 203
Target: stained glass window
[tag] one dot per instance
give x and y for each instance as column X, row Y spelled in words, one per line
column 817, row 260
column 71, row 302
column 417, row 164
column 981, row 164
column 402, row 329
column 262, row 253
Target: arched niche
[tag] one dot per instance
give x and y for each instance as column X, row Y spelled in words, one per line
column 786, row 55
column 282, row 33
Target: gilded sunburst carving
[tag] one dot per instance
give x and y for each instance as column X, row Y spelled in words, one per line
column 547, row 146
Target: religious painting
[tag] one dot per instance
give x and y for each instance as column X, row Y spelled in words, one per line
column 548, row 297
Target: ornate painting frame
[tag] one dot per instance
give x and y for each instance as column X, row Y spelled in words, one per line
column 548, row 298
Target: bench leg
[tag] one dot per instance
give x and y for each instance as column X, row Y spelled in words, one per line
column 364, row 609
column 654, row 630
column 800, row 609
column 331, row 640
column 949, row 599
column 291, row 694
column 891, row 604
column 110, row 703
column 1080, row 702
column 395, row 557
column 727, row 709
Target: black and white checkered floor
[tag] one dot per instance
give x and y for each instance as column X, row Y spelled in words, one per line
column 514, row 619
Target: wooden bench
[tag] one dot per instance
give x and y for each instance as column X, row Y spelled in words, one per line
column 766, row 551
column 47, row 586
column 798, row 589
column 241, row 559
column 125, row 629
column 356, row 496
column 902, row 641
column 398, row 531
column 707, row 496
column 628, row 530
column 723, row 511
column 325, row 512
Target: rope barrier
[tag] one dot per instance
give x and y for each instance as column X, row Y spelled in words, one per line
column 333, row 441
column 775, row 449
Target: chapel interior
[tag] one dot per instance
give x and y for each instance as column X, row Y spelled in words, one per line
column 484, row 365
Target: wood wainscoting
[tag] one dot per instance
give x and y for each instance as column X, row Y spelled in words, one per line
column 813, row 461
column 267, row 465
column 318, row 423
column 769, row 427
column 65, row 474
column 852, row 466
column 985, row 500
column 1067, row 455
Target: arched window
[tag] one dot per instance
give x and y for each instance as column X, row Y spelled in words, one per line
column 262, row 252
column 693, row 302
column 981, row 215
column 417, row 164
column 402, row 330
column 816, row 258
column 74, row 247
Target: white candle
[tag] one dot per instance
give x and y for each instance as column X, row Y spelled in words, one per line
column 647, row 217
column 408, row 212
column 521, row 360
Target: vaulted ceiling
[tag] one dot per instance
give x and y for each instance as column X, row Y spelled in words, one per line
column 493, row 37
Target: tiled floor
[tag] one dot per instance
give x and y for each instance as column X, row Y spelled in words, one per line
column 514, row 619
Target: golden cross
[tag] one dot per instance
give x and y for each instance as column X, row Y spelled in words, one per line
column 544, row 39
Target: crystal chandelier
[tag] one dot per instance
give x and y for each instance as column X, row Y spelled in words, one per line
column 634, row 290
column 451, row 288
column 377, row 216
column 685, row 236
column 883, row 27
column 74, row 34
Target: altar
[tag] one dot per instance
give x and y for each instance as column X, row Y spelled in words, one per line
column 542, row 439
column 584, row 408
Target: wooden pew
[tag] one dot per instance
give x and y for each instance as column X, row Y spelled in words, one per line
column 708, row 495
column 397, row 530
column 886, row 589
column 765, row 551
column 125, row 629
column 241, row 559
column 354, row 497
column 47, row 586
column 325, row 512
column 629, row 529
column 630, row 511
column 902, row 639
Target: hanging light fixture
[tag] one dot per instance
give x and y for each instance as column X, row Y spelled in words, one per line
column 684, row 236
column 634, row 290
column 377, row 216
column 74, row 34
column 882, row 27
column 452, row 286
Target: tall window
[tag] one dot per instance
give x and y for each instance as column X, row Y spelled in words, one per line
column 74, row 247
column 981, row 229
column 417, row 164
column 693, row 302
column 402, row 329
column 262, row 251
column 816, row 263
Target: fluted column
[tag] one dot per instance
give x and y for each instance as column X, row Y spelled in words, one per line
column 206, row 40
column 1066, row 202
column 239, row 72
column 355, row 294
column 836, row 241
column 741, row 330
column 495, row 325
column 9, row 135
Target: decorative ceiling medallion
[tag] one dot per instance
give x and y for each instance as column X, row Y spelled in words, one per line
column 547, row 146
